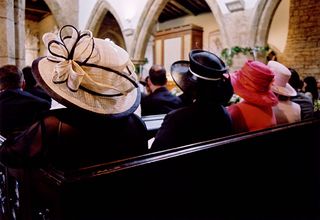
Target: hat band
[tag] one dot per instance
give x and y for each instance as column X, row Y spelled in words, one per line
column 203, row 77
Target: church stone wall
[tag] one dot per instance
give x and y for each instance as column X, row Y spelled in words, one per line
column 302, row 50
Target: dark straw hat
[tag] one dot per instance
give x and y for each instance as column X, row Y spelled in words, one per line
column 204, row 68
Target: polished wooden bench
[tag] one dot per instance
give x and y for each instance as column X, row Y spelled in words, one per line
column 268, row 174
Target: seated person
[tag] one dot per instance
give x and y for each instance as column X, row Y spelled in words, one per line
column 206, row 77
column 32, row 86
column 303, row 100
column 159, row 100
column 310, row 88
column 18, row 108
column 99, row 88
column 252, row 83
column 285, row 111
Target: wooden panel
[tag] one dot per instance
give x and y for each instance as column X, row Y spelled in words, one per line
column 244, row 176
column 172, row 51
column 187, row 46
column 175, row 44
column 158, row 52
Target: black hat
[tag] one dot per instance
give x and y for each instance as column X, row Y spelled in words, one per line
column 204, row 68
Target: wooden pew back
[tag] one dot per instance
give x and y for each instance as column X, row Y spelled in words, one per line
column 268, row 174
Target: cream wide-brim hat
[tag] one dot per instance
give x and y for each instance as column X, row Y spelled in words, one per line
column 281, row 84
column 105, row 84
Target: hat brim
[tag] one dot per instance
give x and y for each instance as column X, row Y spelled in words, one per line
column 181, row 75
column 114, row 106
column 285, row 91
column 267, row 98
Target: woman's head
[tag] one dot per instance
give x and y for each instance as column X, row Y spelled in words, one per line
column 253, row 83
column 205, row 77
column 310, row 85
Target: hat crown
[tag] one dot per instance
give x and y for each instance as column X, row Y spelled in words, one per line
column 206, row 64
column 281, row 83
column 282, row 73
column 256, row 76
column 253, row 83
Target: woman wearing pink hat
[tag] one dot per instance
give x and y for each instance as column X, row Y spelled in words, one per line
column 253, row 84
column 286, row 111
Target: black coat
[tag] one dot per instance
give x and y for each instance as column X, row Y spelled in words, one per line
column 18, row 110
column 197, row 122
column 39, row 92
column 68, row 139
column 161, row 101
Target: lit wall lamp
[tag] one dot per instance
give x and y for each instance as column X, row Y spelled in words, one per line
column 234, row 6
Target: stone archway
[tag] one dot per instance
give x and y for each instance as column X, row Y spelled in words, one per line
column 147, row 21
column 99, row 11
column 64, row 12
column 261, row 21
column 217, row 14
column 109, row 28
column 143, row 31
column 97, row 18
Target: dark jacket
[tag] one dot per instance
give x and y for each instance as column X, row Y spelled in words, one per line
column 306, row 105
column 197, row 122
column 69, row 139
column 18, row 110
column 161, row 101
column 39, row 92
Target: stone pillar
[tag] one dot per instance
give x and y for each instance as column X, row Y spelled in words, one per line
column 19, row 17
column 7, row 33
column 302, row 50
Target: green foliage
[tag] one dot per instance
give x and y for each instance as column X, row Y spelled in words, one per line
column 316, row 105
column 139, row 66
column 228, row 53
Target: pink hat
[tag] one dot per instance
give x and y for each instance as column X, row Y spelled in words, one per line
column 253, row 83
column 281, row 79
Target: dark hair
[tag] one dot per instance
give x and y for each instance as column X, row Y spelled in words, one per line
column 11, row 77
column 272, row 56
column 157, row 75
column 311, row 86
column 28, row 77
column 295, row 80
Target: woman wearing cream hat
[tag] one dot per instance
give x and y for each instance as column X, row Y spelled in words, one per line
column 95, row 80
column 286, row 111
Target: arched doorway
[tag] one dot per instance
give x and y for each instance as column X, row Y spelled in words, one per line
column 38, row 20
column 159, row 15
column 110, row 28
column 103, row 23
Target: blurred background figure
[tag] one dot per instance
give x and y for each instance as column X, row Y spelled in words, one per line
column 159, row 99
column 32, row 86
column 303, row 100
column 310, row 88
column 271, row 56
